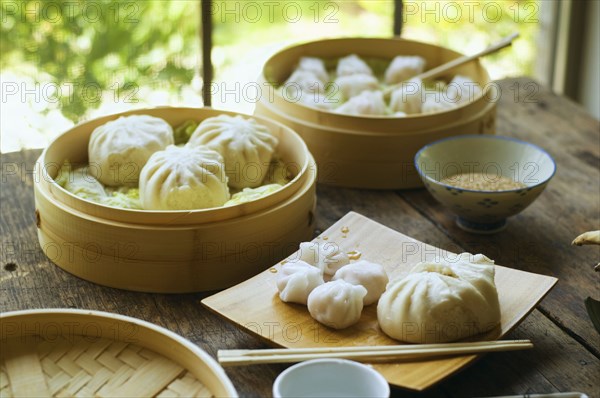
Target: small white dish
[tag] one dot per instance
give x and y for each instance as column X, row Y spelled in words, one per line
column 482, row 211
column 330, row 378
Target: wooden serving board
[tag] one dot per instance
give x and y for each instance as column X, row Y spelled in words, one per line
column 254, row 305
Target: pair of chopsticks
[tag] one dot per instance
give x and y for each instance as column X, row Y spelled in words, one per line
column 367, row 353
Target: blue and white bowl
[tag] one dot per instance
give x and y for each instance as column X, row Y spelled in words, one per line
column 482, row 211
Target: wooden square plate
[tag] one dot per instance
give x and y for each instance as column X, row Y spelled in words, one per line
column 254, row 305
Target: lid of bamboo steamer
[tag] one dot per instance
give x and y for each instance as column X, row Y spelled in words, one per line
column 279, row 67
column 72, row 145
column 67, row 352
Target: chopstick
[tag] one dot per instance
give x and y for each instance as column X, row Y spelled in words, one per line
column 505, row 42
column 366, row 353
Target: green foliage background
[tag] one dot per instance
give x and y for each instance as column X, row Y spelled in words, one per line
column 123, row 45
column 101, row 44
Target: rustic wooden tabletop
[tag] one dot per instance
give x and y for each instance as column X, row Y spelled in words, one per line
column 566, row 356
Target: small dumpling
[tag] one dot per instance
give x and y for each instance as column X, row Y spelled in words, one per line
column 296, row 280
column 440, row 301
column 408, row 98
column 183, row 178
column 352, row 85
column 337, row 304
column 317, row 100
column 352, row 65
column 246, row 146
column 326, row 256
column 436, row 103
column 366, row 103
column 403, row 67
column 461, row 90
column 314, row 65
column 119, row 149
column 370, row 275
column 302, row 81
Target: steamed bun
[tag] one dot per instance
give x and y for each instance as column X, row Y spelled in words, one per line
column 120, row 148
column 441, row 301
column 183, row 178
column 246, row 146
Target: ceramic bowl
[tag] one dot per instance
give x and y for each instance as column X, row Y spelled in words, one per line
column 330, row 378
column 481, row 211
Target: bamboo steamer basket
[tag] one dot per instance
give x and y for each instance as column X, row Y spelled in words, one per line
column 373, row 152
column 171, row 251
column 80, row 353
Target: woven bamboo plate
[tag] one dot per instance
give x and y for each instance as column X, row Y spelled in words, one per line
column 77, row 353
column 254, row 305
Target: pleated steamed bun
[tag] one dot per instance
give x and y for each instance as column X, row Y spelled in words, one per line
column 119, row 149
column 183, row 178
column 441, row 301
column 247, row 147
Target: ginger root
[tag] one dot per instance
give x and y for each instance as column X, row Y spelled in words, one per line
column 588, row 238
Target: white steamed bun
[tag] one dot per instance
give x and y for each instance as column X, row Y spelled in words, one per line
column 120, row 148
column 183, row 178
column 246, row 146
column 441, row 301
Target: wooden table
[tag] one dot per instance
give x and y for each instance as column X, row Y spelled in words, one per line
column 567, row 347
